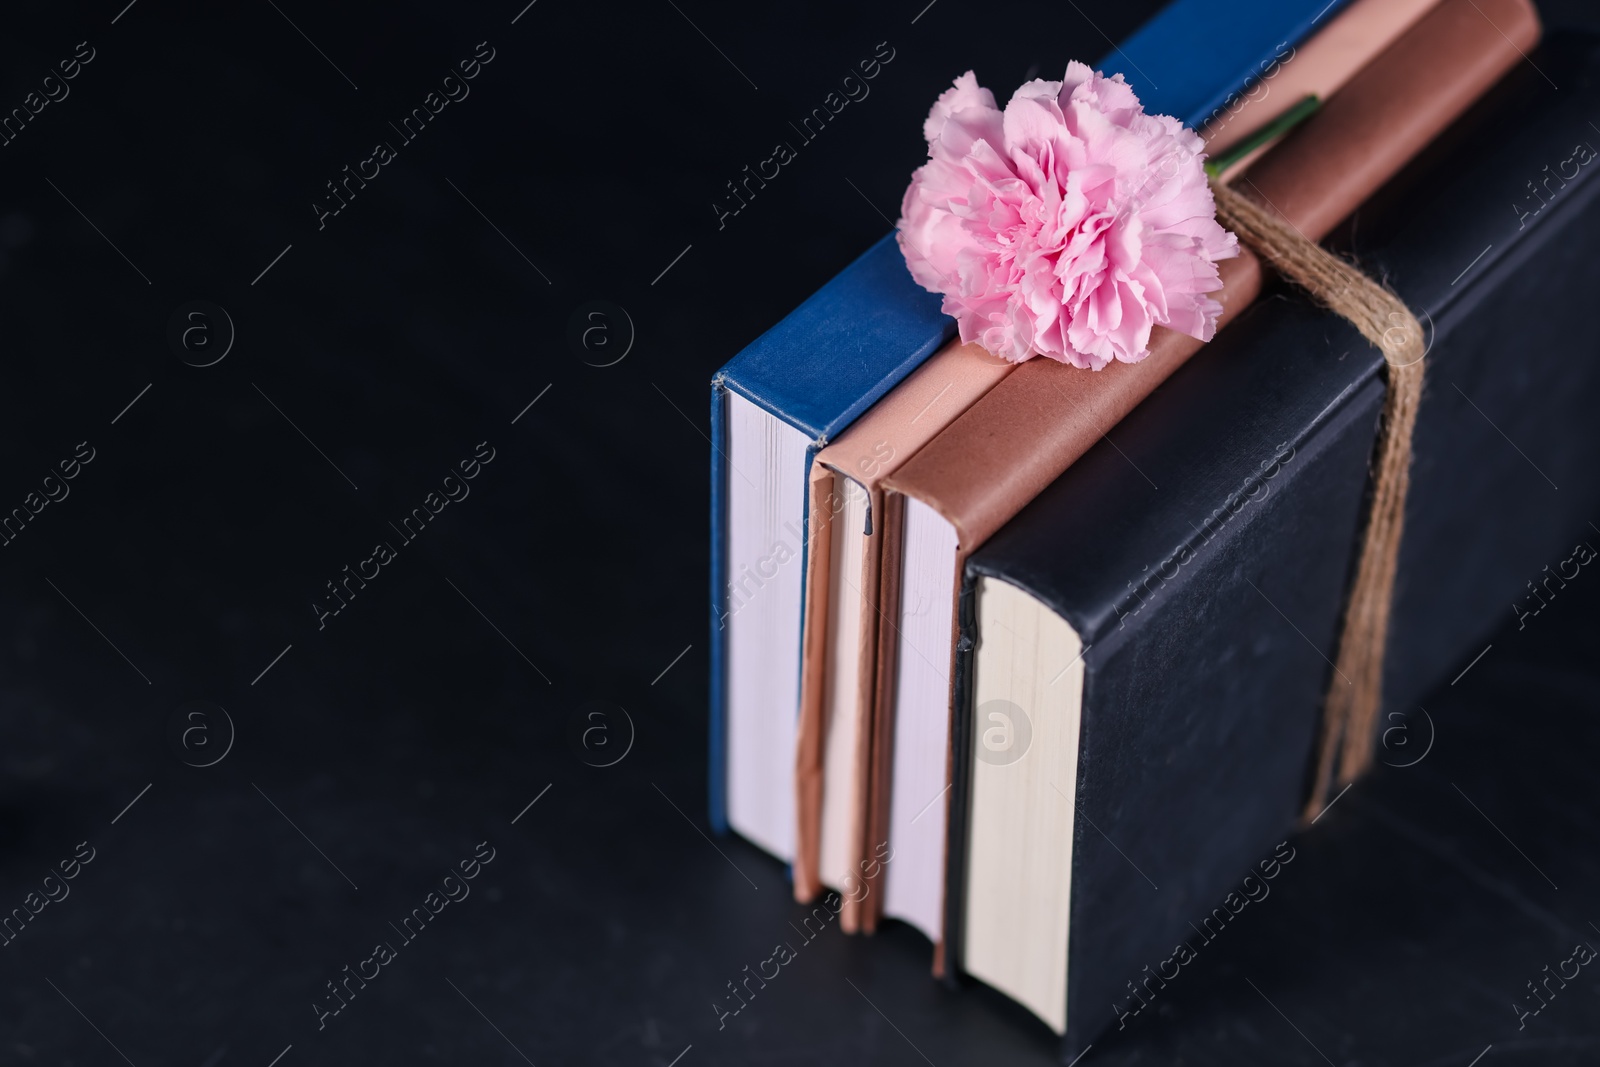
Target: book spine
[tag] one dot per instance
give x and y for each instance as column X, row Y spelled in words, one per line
column 717, row 778
column 957, row 824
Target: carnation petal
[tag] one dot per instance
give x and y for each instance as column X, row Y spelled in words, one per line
column 964, row 94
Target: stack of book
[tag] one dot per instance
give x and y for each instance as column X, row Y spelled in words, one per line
column 997, row 649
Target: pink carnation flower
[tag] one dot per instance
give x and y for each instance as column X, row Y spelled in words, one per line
column 1067, row 226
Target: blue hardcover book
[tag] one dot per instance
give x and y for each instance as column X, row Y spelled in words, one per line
column 813, row 374
column 1202, row 52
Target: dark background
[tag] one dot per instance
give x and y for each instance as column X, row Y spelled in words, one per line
column 375, row 354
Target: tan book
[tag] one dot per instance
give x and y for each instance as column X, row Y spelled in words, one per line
column 965, row 484
column 842, row 612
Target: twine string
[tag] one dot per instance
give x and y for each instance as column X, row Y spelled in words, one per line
column 1355, row 691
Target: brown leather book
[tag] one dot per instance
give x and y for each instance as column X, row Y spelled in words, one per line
column 965, row 484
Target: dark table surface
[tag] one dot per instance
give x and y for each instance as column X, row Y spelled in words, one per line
column 267, row 789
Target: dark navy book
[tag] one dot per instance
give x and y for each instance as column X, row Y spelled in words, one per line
column 1166, row 651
